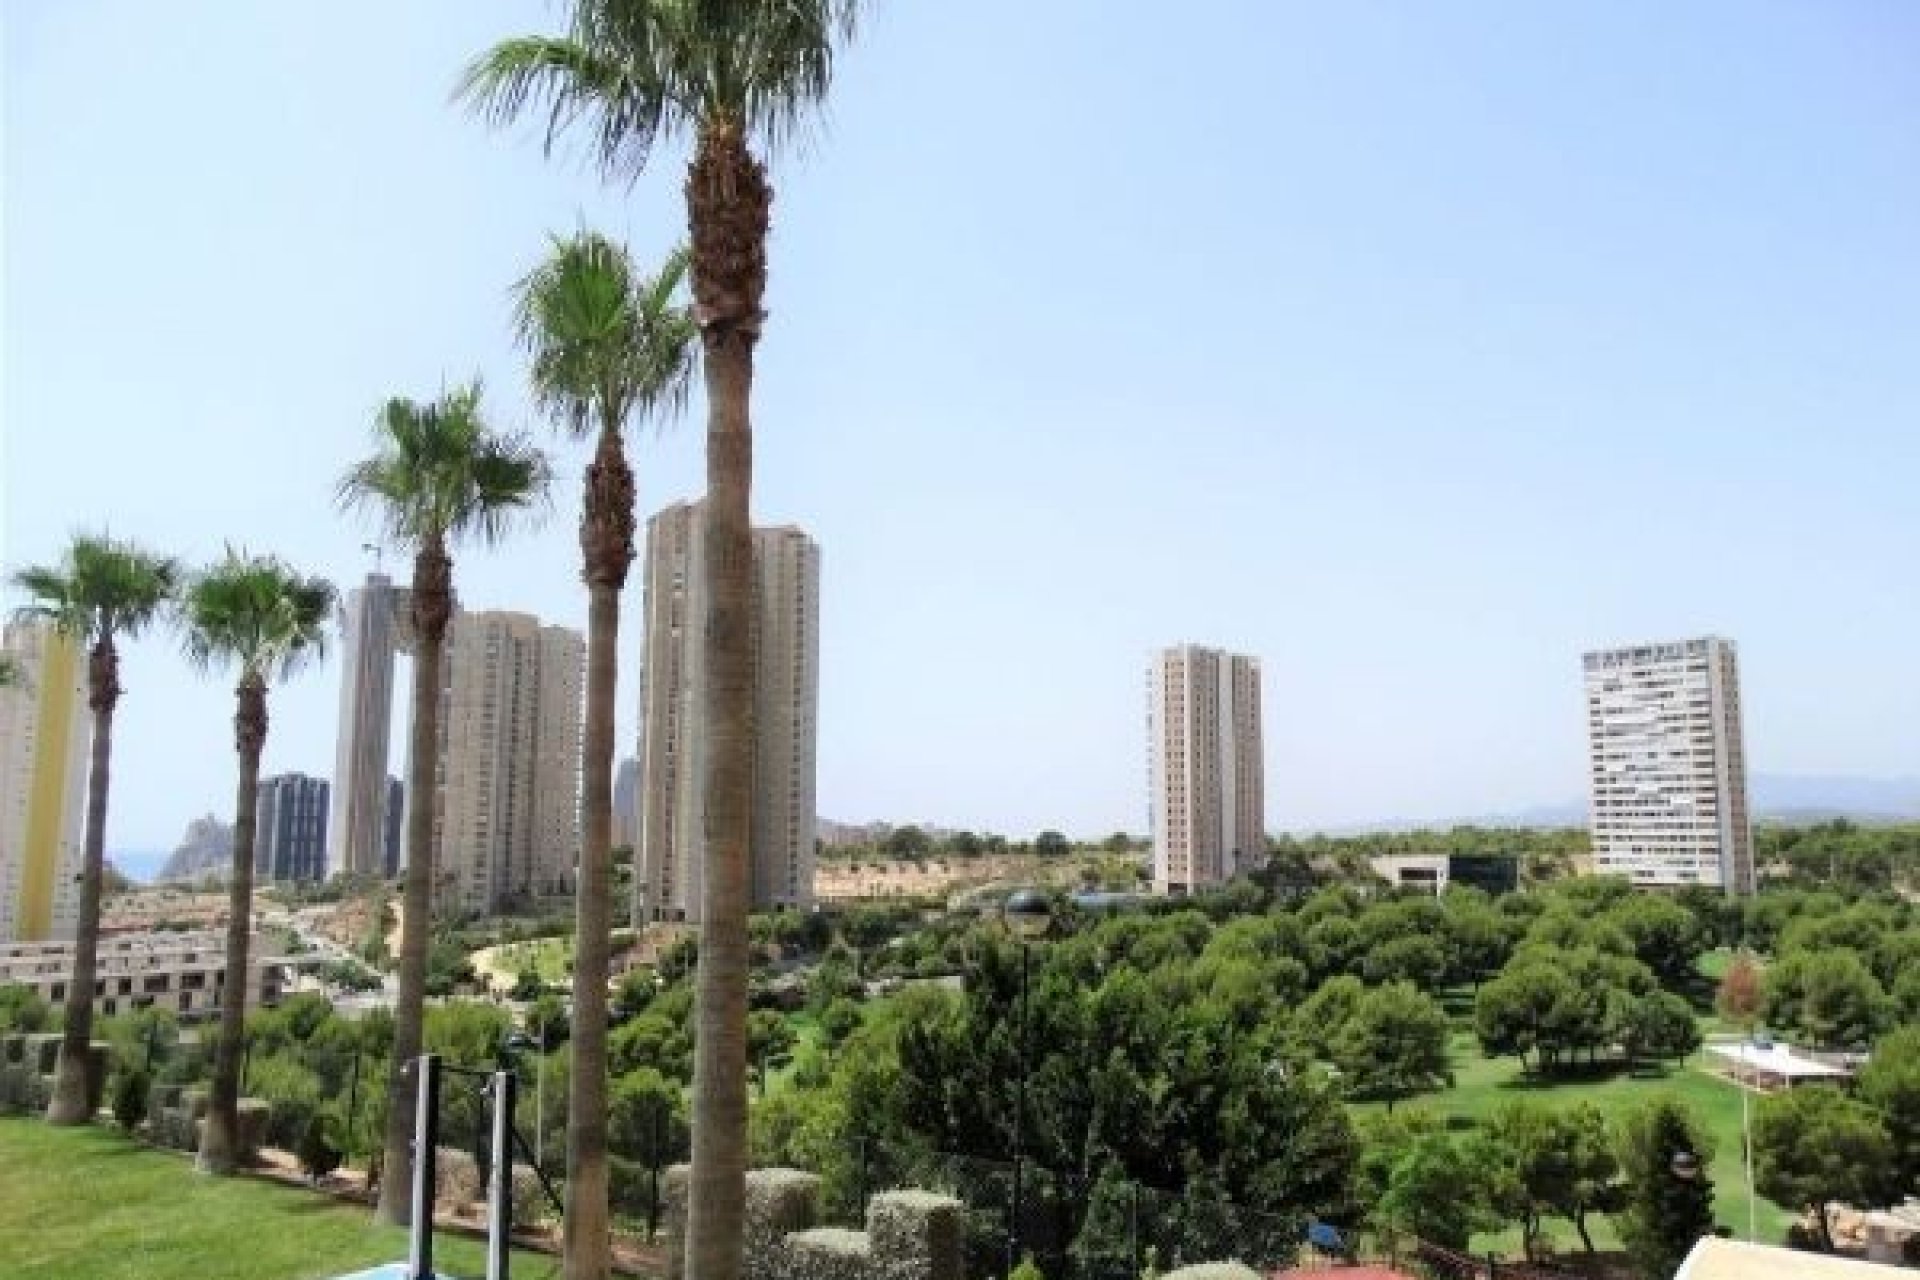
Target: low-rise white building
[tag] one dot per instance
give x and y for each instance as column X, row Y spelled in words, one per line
column 185, row 973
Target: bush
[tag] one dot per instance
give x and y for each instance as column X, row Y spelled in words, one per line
column 318, row 1155
column 130, row 1089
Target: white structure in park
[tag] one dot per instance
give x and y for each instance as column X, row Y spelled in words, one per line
column 1667, row 767
column 1206, row 771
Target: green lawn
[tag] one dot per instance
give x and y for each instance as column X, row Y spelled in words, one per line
column 548, row 957
column 88, row 1204
column 1482, row 1084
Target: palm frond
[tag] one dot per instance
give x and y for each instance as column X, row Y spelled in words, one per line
column 571, row 82
column 604, row 343
column 630, row 72
column 103, row 588
column 256, row 613
column 437, row 472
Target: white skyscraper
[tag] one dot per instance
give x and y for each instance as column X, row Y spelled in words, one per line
column 507, row 816
column 786, row 642
column 375, row 623
column 1667, row 770
column 45, row 732
column 1207, row 776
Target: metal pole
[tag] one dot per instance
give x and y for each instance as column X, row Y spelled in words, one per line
column 353, row 1108
column 1019, row 1118
column 500, row 1198
column 426, row 1147
column 540, row 1102
column 1746, row 1141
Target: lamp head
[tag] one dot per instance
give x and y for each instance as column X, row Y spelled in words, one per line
column 1027, row 913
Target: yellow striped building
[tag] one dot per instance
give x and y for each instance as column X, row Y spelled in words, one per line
column 45, row 729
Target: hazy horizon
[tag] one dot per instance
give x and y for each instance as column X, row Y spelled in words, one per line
column 1413, row 350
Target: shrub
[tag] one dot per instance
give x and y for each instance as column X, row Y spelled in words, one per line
column 318, row 1155
column 130, row 1098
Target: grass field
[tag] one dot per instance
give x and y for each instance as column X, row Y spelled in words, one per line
column 1481, row 1085
column 88, row 1204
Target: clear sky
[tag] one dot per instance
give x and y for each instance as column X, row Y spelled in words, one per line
column 1415, row 348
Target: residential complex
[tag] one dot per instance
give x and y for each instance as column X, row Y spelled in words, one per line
column 626, row 804
column 375, row 623
column 45, row 732
column 786, row 654
column 1206, row 774
column 290, row 831
column 1667, row 771
column 184, row 973
column 507, row 813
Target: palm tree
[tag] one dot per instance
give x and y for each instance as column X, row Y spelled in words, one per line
column 257, row 613
column 732, row 75
column 438, row 474
column 102, row 592
column 606, row 346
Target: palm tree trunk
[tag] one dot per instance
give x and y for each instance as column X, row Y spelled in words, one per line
column 727, row 204
column 70, row 1103
column 432, row 606
column 220, row 1140
column 606, row 546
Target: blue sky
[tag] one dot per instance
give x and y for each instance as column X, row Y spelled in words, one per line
column 1414, row 348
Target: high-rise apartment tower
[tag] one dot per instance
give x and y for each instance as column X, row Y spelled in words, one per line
column 1667, row 765
column 507, row 816
column 786, row 657
column 290, row 829
column 45, row 732
column 375, row 623
column 1207, row 776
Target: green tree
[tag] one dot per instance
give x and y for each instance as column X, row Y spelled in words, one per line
column 1665, row 1211
column 101, row 593
column 770, row 1041
column 1829, row 997
column 1666, row 937
column 1051, row 844
column 13, row 672
column 1521, row 1012
column 258, row 614
column 1417, row 959
column 438, row 476
column 732, row 76
column 1393, row 1044
column 608, row 347
column 1436, row 1192
column 22, row 1009
column 1813, row 1145
column 1657, row 1025
column 1890, row 1083
column 1561, row 1161
column 907, row 842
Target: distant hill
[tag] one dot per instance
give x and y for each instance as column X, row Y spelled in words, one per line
column 206, row 849
column 1791, row 798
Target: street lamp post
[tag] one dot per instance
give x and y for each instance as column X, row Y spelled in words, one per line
column 521, row 1041
column 1028, row 916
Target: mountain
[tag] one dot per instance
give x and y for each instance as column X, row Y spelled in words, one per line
column 1777, row 797
column 207, row 848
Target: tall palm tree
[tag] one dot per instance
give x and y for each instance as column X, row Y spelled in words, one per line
column 438, row 474
column 103, row 591
column 606, row 345
column 256, row 613
column 735, row 76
